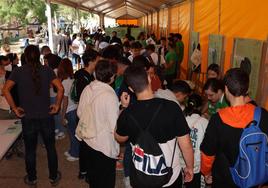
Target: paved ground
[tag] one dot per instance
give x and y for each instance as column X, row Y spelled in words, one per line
column 12, row 171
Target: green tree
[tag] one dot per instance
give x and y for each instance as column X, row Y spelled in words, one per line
column 24, row 11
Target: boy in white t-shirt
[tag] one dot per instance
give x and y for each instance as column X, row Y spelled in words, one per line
column 158, row 60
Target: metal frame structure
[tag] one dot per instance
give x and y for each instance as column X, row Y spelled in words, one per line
column 133, row 9
column 139, row 7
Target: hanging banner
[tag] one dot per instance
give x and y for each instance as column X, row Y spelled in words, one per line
column 194, row 40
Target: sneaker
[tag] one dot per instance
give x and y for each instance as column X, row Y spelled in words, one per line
column 55, row 182
column 28, row 182
column 60, row 136
column 71, row 158
column 67, row 154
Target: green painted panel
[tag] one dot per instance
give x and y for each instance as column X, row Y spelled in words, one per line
column 136, row 31
column 253, row 50
column 215, row 49
column 121, row 31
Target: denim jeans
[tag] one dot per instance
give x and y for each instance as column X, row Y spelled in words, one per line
column 63, row 55
column 75, row 59
column 57, row 117
column 30, row 129
column 72, row 124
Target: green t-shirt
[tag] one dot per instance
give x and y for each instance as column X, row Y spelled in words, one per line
column 220, row 104
column 118, row 83
column 171, row 56
column 143, row 43
column 180, row 50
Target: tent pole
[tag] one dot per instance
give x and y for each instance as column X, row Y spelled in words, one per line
column 49, row 25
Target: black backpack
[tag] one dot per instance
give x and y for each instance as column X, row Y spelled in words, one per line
column 148, row 167
column 74, row 93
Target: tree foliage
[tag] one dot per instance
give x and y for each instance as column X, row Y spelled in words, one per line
column 70, row 14
column 24, row 11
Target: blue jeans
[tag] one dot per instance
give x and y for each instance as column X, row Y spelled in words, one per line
column 72, row 124
column 75, row 59
column 57, row 117
column 63, row 55
column 30, row 130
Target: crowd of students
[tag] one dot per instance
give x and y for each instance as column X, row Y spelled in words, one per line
column 122, row 80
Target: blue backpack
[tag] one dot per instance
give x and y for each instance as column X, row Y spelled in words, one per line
column 251, row 167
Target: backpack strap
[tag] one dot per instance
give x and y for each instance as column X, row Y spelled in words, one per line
column 257, row 115
column 85, row 77
column 154, row 116
column 173, row 152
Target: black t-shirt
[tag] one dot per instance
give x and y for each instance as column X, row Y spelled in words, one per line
column 221, row 140
column 34, row 105
column 168, row 124
column 115, row 40
column 83, row 79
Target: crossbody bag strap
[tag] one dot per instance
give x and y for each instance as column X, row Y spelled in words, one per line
column 154, row 116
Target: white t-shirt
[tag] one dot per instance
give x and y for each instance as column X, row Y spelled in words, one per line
column 169, row 95
column 67, row 84
column 198, row 126
column 154, row 57
column 81, row 46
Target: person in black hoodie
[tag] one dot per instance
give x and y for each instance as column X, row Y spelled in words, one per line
column 84, row 77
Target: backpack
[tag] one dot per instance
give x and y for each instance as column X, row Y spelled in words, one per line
column 148, row 167
column 251, row 167
column 73, row 92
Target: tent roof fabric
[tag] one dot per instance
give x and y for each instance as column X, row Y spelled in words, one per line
column 119, row 8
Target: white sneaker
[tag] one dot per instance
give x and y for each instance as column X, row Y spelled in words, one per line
column 127, row 182
column 71, row 158
column 67, row 154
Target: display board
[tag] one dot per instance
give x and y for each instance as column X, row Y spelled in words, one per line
column 121, row 31
column 262, row 95
column 216, row 49
column 251, row 49
column 136, row 31
column 194, row 40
